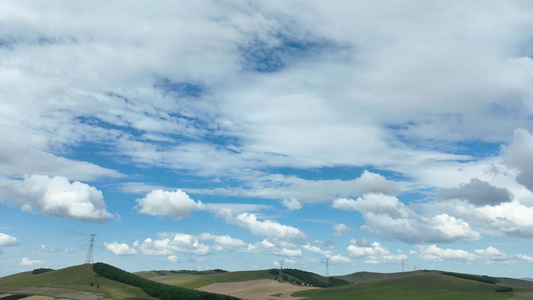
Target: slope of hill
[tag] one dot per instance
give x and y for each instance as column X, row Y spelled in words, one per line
column 425, row 285
column 153, row 288
column 200, row 279
column 77, row 282
column 195, row 280
column 366, row 276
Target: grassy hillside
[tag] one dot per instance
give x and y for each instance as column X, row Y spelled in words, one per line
column 153, row 288
column 366, row 276
column 68, row 281
column 200, row 279
column 427, row 285
column 195, row 280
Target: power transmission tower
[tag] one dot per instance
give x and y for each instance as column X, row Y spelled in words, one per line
column 403, row 269
column 280, row 275
column 89, row 258
column 327, row 267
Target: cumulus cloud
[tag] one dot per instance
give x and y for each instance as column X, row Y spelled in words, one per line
column 478, row 193
column 387, row 217
column 56, row 196
column 512, row 219
column 168, row 244
column 436, row 254
column 490, row 255
column 120, row 249
column 225, row 242
column 177, row 204
column 375, row 183
column 341, row 229
column 277, row 247
column 374, row 253
column 267, row 228
column 518, row 155
column 7, row 240
column 291, row 203
column 337, row 258
column 29, row 262
column 316, row 250
column 173, row 258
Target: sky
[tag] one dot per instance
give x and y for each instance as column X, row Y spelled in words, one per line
column 244, row 135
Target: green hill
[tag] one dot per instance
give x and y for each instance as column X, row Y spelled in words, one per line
column 68, row 283
column 153, row 288
column 366, row 276
column 424, row 285
column 196, row 279
column 95, row 282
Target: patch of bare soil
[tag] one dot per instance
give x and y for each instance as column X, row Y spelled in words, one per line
column 262, row 289
column 523, row 295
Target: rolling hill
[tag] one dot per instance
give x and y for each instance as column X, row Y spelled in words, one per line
column 77, row 282
column 81, row 282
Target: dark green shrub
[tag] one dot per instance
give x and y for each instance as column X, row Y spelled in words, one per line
column 503, row 289
column 41, row 270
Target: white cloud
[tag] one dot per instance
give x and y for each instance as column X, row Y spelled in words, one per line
column 291, row 203
column 518, row 155
column 173, row 258
column 120, row 249
column 267, row 228
column 166, row 245
column 374, row 253
column 490, row 255
column 7, row 240
column 434, row 253
column 493, row 255
column 337, row 258
column 387, row 217
column 513, row 219
column 341, row 229
column 177, row 205
column 28, row 262
column 225, row 242
column 170, row 243
column 275, row 246
column 375, row 183
column 56, row 197
column 317, row 250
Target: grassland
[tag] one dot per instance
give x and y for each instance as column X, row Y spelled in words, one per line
column 80, row 282
column 77, row 282
column 427, row 285
column 200, row 279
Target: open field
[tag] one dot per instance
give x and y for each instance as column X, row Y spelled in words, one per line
column 418, row 286
column 81, row 282
column 196, row 280
column 73, row 283
column 261, row 289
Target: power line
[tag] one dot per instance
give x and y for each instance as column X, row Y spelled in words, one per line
column 89, row 258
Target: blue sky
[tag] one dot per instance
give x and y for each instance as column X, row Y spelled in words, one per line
column 215, row 134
